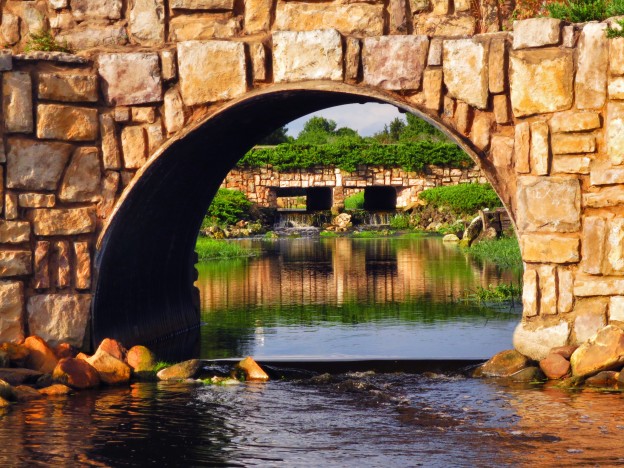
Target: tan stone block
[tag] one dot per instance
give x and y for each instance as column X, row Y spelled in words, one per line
column 15, row 263
column 594, row 244
column 546, row 248
column 565, row 300
column 211, row 71
column 258, row 15
column 258, row 61
column 573, row 121
column 130, row 78
column 548, row 289
column 616, row 56
column 605, row 174
column 81, row 182
column 501, row 109
column 11, row 311
column 168, row 65
column 616, row 87
column 536, row 32
column 143, row 114
column 398, row 17
column 462, row 5
column 10, row 28
column 541, row 81
column 110, row 186
column 522, row 147
column 418, row 6
column 134, row 146
column 63, row 221
column 173, row 111
column 59, row 318
column 96, row 9
column 10, row 206
column 110, row 147
column 568, row 36
column 446, row 26
column 591, row 317
column 432, row 87
column 615, row 132
column 122, row 114
column 35, row 165
column 147, row 21
column 351, row 19
column 592, row 63
column 615, row 247
column 440, row 7
column 502, row 151
column 41, row 279
column 434, row 57
column 352, row 58
column 61, row 251
column 586, row 286
column 462, row 117
column 82, row 270
column 481, row 131
column 616, row 308
column 17, row 102
column 448, row 107
column 14, row 232
column 530, row 285
column 465, row 71
column 570, row 144
column 155, row 136
column 58, row 122
column 606, row 197
column 88, row 36
column 36, row 200
column 202, row 4
column 540, row 152
column 548, row 204
column 394, row 62
column 489, row 17
column 571, row 164
column 192, row 28
column 67, row 87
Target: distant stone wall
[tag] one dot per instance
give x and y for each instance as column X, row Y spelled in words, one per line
column 259, row 184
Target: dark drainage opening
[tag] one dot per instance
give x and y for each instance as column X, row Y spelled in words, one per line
column 380, row 198
column 319, row 199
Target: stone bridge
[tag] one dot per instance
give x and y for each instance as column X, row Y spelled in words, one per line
column 112, row 154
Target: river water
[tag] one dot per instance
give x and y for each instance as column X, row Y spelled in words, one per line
column 329, row 300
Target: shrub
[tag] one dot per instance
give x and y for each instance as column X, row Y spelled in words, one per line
column 43, row 41
column 505, row 252
column 463, row 198
column 228, row 207
column 579, row 11
column 400, row 222
column 355, row 201
column 613, row 32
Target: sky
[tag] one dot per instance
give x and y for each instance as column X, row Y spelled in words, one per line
column 367, row 118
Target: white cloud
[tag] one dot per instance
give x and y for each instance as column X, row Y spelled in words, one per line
column 366, row 118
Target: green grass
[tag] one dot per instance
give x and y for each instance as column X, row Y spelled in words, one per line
column 160, row 365
column 498, row 293
column 355, row 201
column 462, row 198
column 329, row 234
column 220, row 249
column 505, row 252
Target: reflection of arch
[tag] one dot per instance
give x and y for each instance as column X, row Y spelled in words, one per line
column 144, row 261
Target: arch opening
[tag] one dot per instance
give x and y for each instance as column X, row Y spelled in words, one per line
column 145, row 259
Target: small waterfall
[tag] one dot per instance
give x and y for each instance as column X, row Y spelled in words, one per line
column 378, row 218
column 299, row 220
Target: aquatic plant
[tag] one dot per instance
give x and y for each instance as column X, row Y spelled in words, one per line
column 221, row 249
column 505, row 252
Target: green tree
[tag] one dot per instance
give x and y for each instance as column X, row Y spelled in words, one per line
column 227, row 207
column 276, row 137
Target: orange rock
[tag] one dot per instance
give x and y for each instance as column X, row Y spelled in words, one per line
column 4, row 403
column 41, row 356
column 555, row 366
column 64, row 350
column 504, row 364
column 141, row 359
column 82, row 356
column 56, row 389
column 25, row 393
column 76, row 373
column 565, row 351
column 603, row 379
column 112, row 371
column 251, row 370
column 18, row 353
column 180, row 371
column 114, row 348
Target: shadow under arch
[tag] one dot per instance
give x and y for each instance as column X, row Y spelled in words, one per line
column 144, row 262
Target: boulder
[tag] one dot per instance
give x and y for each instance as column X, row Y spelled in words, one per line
column 19, row 376
column 141, row 359
column 41, row 357
column 6, row 391
column 528, row 374
column 473, row 230
column 4, row 403
column 56, row 390
column 25, row 393
column 504, row 364
column 76, row 373
column 450, row 238
column 114, row 348
column 555, row 366
column 181, row 371
column 565, row 351
column 251, row 370
column 18, row 353
column 603, row 379
column 64, row 350
column 604, row 351
column 343, row 220
column 112, row 371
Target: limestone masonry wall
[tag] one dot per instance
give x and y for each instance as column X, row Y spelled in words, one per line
column 541, row 109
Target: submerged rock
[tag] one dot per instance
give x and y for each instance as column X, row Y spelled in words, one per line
column 41, row 357
column 603, row 379
column 112, row 371
column 56, row 390
column 6, row 391
column 504, row 364
column 555, row 366
column 25, row 393
column 18, row 353
column 604, row 351
column 181, row 371
column 251, row 370
column 528, row 374
column 141, row 359
column 76, row 373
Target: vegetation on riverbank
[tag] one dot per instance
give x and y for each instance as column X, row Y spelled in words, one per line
column 495, row 293
column 208, row 249
column 505, row 252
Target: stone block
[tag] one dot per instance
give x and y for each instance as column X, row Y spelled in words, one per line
column 58, row 122
column 36, row 200
column 14, row 232
column 59, row 318
column 211, row 71
column 536, row 32
column 568, row 36
column 522, row 147
column 465, row 65
column 192, row 28
column 571, row 144
column 592, row 63
column 570, row 164
column 10, row 28
column 134, row 146
column 481, row 131
column 398, row 17
column 61, row 251
column 351, row 19
column 541, row 81
column 548, row 204
column 573, row 121
column 96, row 9
column 155, row 136
column 548, row 289
column 173, row 111
column 547, row 248
column 615, row 132
column 81, row 182
column 258, row 61
column 11, row 311
column 614, row 247
column 616, row 87
column 90, row 36
column 352, row 58
column 6, row 60
column 17, row 102
column 530, row 287
column 446, row 26
column 462, row 5
column 605, row 174
column 257, row 16
column 565, row 300
column 63, row 221
column 130, row 78
column 589, row 320
column 502, row 151
column 35, row 165
column 440, row 7
column 110, row 186
column 202, row 4
column 432, row 87
column 540, row 148
column 616, row 308
column 535, row 340
column 110, row 146
column 143, row 114
column 168, row 65
column 147, row 21
column 616, row 56
column 395, row 62
column 587, row 286
column 501, row 109
column 10, row 206
column 67, row 87
column 82, row 269
column 310, row 55
column 434, row 57
column 15, row 263
column 463, row 114
column 606, row 197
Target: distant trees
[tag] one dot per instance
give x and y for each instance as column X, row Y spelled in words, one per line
column 276, row 137
column 415, row 129
column 322, row 131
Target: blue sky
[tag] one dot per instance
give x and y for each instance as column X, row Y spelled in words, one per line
column 365, row 118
